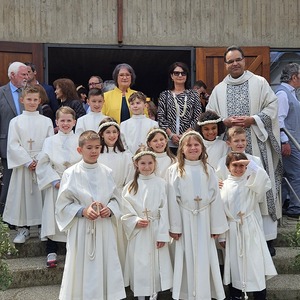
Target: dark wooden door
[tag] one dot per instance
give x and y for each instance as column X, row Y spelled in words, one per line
column 210, row 66
column 23, row 52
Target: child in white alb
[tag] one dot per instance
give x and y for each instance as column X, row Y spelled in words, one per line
column 134, row 130
column 59, row 153
column 91, row 121
column 197, row 218
column 119, row 160
column 248, row 262
column 157, row 141
column 148, row 268
column 237, row 141
column 211, row 126
column 26, row 135
column 85, row 206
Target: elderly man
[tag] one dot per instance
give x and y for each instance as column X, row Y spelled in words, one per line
column 289, row 118
column 10, row 107
column 245, row 99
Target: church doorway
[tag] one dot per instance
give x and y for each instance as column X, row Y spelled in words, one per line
column 79, row 62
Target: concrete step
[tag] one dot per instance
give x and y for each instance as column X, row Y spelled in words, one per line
column 281, row 287
column 285, row 260
column 49, row 292
column 284, row 287
column 33, row 246
column 32, row 271
column 286, row 229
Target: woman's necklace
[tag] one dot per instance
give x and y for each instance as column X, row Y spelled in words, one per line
column 178, row 108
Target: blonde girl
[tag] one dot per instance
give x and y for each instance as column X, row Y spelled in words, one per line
column 197, row 218
column 148, row 268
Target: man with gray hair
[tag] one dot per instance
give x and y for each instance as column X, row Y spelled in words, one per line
column 289, row 118
column 10, row 107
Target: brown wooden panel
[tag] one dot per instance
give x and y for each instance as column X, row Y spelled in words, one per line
column 211, row 69
column 23, row 52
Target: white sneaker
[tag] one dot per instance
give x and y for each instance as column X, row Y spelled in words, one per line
column 22, row 236
column 51, row 260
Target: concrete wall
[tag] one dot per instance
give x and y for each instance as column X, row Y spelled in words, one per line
column 153, row 22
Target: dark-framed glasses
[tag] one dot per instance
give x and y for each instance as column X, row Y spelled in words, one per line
column 94, row 83
column 177, row 73
column 231, row 61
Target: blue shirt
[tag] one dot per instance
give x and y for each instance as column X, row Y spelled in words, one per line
column 15, row 94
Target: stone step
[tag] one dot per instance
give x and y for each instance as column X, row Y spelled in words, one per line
column 32, row 271
column 33, row 246
column 280, row 287
column 49, row 292
column 286, row 229
column 285, row 260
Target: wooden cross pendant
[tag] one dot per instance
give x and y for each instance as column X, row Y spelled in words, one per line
column 198, row 199
column 241, row 215
column 30, row 143
column 145, row 212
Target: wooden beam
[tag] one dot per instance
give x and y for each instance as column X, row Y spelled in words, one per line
column 120, row 21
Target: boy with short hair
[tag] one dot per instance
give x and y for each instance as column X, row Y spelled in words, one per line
column 26, row 135
column 92, row 120
column 134, row 130
column 84, row 209
column 236, row 140
column 59, row 153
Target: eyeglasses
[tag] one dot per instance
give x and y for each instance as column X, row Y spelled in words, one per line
column 124, row 75
column 231, row 61
column 177, row 73
column 94, row 83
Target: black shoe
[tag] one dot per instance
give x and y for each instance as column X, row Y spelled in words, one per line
column 271, row 248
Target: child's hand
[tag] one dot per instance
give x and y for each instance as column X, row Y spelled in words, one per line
column 215, row 236
column 142, row 223
column 105, row 212
column 90, row 212
column 160, row 244
column 57, row 185
column 32, row 166
column 244, row 162
column 175, row 236
column 220, row 184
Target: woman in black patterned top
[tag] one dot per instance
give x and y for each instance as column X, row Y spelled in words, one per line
column 178, row 107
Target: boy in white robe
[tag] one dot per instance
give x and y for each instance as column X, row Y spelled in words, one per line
column 134, row 130
column 26, row 135
column 59, row 153
column 237, row 141
column 91, row 121
column 197, row 218
column 84, row 209
column 248, row 262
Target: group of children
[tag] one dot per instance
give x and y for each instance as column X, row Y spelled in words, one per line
column 136, row 215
